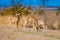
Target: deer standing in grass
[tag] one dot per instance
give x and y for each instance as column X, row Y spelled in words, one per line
column 30, row 21
column 11, row 21
column 41, row 24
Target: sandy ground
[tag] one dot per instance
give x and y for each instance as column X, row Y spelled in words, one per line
column 18, row 34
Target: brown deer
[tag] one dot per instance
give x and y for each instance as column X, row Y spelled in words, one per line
column 30, row 21
column 41, row 24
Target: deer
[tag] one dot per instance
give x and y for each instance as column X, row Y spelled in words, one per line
column 12, row 21
column 29, row 21
column 41, row 24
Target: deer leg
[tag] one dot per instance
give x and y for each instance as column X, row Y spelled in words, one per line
column 34, row 27
column 17, row 23
column 25, row 25
column 9, row 24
